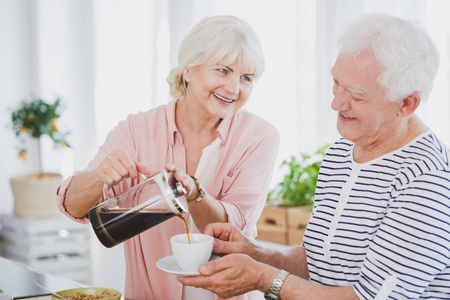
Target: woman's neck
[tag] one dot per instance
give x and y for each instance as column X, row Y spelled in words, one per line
column 192, row 118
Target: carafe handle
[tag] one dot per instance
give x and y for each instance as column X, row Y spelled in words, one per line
column 106, row 187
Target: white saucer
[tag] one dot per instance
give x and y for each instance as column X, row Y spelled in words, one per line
column 168, row 264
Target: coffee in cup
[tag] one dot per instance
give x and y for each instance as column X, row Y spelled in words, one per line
column 190, row 255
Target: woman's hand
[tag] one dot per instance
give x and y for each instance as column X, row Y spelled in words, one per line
column 208, row 209
column 87, row 187
column 232, row 275
column 118, row 165
column 189, row 184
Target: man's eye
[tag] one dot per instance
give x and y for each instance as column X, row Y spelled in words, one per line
column 225, row 71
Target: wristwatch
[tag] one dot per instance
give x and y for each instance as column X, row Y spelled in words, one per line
column 200, row 191
column 274, row 292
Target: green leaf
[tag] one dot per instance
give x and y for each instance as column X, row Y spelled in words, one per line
column 299, row 183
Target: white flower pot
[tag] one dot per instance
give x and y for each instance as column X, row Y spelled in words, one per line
column 34, row 195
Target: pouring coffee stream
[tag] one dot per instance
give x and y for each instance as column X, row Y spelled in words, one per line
column 185, row 227
column 141, row 207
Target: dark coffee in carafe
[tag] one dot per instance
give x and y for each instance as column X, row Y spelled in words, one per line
column 145, row 205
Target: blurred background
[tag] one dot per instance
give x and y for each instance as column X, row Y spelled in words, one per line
column 106, row 59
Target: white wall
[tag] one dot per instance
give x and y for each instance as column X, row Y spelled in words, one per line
column 17, row 80
column 46, row 50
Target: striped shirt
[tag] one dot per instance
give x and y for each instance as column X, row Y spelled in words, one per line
column 383, row 226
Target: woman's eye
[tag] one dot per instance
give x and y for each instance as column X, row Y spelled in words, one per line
column 246, row 78
column 225, row 71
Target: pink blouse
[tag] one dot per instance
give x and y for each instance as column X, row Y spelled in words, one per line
column 249, row 146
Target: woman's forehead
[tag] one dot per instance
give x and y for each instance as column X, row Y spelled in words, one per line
column 241, row 61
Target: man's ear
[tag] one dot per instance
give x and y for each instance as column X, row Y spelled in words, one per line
column 409, row 105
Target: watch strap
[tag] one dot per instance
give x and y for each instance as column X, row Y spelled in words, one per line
column 274, row 292
column 200, row 190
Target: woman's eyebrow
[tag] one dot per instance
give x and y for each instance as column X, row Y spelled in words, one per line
column 227, row 67
column 231, row 70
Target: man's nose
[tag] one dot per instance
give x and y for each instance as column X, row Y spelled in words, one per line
column 341, row 100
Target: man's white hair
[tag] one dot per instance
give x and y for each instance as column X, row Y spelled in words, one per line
column 404, row 50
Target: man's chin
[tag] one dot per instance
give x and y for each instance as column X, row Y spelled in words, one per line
column 346, row 133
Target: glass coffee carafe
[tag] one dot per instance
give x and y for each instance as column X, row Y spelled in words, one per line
column 139, row 208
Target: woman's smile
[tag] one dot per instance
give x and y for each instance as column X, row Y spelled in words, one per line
column 223, row 98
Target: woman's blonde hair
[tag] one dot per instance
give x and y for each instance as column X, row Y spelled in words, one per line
column 217, row 39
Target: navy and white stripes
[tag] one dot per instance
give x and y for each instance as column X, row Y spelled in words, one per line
column 383, row 226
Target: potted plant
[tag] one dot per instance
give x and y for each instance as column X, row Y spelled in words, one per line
column 289, row 204
column 299, row 184
column 34, row 194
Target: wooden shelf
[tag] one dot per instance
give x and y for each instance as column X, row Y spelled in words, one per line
column 283, row 225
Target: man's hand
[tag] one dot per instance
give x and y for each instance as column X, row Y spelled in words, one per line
column 232, row 275
column 229, row 239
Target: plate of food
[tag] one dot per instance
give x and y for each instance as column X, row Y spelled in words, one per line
column 89, row 293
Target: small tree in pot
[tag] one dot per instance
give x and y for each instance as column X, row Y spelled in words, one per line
column 36, row 118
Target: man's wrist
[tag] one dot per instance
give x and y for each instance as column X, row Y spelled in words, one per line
column 274, row 292
column 257, row 252
column 267, row 279
column 263, row 254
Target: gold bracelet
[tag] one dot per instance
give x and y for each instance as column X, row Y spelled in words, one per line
column 200, row 190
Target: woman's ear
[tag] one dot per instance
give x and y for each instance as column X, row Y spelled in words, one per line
column 409, row 105
column 186, row 75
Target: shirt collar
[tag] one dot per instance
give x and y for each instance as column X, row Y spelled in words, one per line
column 170, row 113
column 224, row 127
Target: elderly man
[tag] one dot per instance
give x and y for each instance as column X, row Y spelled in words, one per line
column 380, row 227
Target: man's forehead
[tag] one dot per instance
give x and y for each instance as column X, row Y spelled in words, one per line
column 361, row 65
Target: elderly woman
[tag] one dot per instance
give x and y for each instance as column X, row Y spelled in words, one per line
column 380, row 227
column 205, row 133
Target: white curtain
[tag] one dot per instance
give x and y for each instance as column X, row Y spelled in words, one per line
column 109, row 58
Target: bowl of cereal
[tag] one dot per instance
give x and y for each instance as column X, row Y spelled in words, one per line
column 89, row 293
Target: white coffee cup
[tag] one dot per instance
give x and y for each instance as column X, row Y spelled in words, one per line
column 189, row 256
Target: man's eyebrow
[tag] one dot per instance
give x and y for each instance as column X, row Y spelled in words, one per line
column 355, row 91
column 351, row 90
